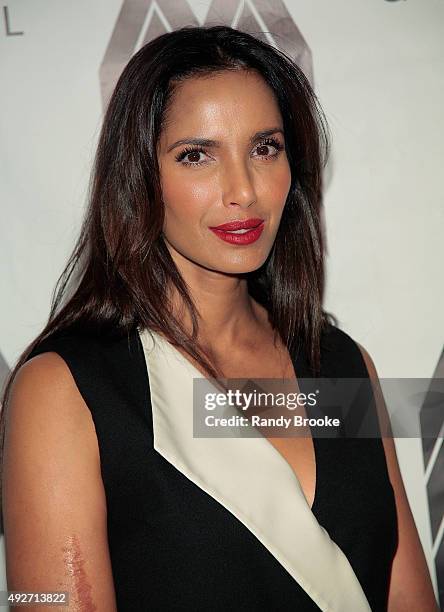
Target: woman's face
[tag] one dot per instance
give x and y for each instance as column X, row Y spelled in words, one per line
column 222, row 158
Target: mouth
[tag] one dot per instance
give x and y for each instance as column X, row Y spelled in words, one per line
column 239, row 226
column 239, row 235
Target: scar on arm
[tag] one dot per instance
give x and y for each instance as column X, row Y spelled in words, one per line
column 80, row 592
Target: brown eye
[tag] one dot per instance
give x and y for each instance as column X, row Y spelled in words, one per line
column 193, row 155
column 263, row 148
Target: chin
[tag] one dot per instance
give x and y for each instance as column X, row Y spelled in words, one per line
column 241, row 265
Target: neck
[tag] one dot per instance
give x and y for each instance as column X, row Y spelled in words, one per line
column 227, row 314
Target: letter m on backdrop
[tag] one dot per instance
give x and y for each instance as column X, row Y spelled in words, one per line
column 139, row 21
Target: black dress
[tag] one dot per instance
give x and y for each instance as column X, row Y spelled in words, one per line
column 222, row 524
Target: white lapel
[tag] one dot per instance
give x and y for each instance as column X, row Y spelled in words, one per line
column 251, row 479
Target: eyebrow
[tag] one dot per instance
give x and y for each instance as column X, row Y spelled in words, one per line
column 205, row 142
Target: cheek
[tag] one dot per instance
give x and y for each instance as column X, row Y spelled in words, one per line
column 186, row 199
column 276, row 185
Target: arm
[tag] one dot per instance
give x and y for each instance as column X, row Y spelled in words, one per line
column 410, row 586
column 54, row 504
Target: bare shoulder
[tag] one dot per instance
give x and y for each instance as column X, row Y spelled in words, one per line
column 54, row 505
column 44, row 391
column 45, row 372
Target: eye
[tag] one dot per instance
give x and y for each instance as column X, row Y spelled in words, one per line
column 266, row 144
column 193, row 152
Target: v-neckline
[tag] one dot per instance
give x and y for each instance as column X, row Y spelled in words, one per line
column 299, row 363
column 264, row 495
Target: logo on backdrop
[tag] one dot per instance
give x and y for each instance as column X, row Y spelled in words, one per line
column 139, row 21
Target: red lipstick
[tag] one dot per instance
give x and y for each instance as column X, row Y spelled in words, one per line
column 240, row 232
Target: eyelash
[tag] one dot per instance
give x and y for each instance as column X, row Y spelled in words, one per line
column 267, row 141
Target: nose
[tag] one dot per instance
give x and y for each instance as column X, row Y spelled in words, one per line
column 238, row 185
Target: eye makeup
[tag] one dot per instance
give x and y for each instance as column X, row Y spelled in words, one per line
column 268, row 142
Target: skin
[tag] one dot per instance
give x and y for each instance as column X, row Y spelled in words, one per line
column 237, row 179
column 75, row 568
column 232, row 183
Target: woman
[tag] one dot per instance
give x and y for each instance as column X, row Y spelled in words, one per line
column 106, row 493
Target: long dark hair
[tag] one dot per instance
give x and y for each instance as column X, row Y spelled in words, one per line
column 118, row 275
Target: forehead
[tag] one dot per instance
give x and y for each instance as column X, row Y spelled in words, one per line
column 231, row 100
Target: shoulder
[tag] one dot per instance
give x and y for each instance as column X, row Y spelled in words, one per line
column 59, row 383
column 90, row 353
column 44, row 372
column 109, row 370
column 341, row 354
column 44, row 397
column 73, row 341
column 49, row 435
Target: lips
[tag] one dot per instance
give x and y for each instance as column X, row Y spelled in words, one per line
column 240, row 232
column 237, row 225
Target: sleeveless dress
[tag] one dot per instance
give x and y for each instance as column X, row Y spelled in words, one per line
column 222, row 524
